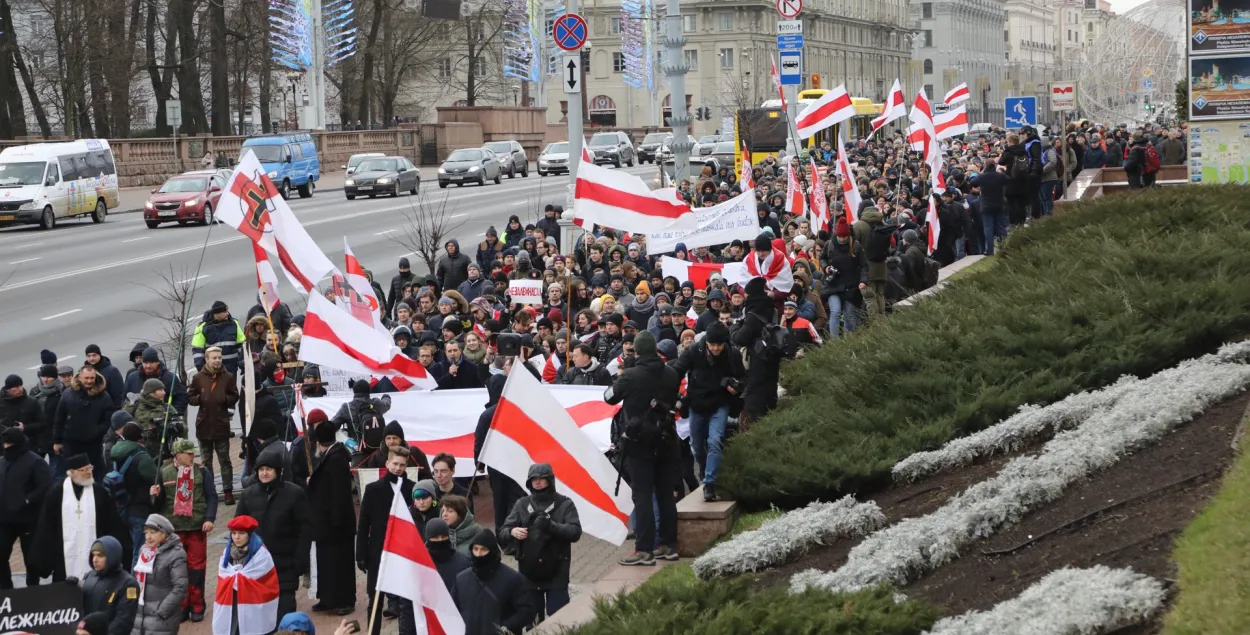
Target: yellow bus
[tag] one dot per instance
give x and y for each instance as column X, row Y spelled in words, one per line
column 764, row 130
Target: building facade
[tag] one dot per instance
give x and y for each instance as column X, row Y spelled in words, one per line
column 1030, row 38
column 962, row 41
column 730, row 46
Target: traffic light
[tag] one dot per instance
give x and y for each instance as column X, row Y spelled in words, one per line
column 815, row 80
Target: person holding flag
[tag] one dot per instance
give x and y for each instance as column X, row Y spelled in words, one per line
column 247, row 583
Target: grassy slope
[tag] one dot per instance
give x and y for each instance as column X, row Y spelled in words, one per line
column 1214, row 559
column 1126, row 284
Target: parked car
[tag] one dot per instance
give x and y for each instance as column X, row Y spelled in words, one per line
column 650, row 146
column 554, row 159
column 188, row 197
column 512, row 157
column 612, row 147
column 350, row 167
column 666, row 150
column 289, row 159
column 721, row 155
column 469, row 165
column 382, row 175
column 703, row 147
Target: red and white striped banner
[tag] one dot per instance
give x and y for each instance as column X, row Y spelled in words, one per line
column 336, row 339
column 957, row 94
column 407, row 570
column 794, row 191
column 623, row 201
column 850, row 189
column 819, row 204
column 894, row 108
column 831, row 109
column 950, row 123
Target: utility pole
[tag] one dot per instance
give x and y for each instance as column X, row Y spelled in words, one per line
column 676, row 73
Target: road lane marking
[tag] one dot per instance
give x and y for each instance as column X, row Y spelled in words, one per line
column 27, row 245
column 60, row 361
column 62, row 314
column 384, row 232
column 135, row 240
column 18, row 262
column 199, row 277
column 457, row 215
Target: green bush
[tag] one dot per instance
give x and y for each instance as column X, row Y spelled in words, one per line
column 1127, row 284
column 675, row 603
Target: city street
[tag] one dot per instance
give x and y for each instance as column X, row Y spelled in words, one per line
column 83, row 283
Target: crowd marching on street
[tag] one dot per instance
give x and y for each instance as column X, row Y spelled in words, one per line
column 106, row 484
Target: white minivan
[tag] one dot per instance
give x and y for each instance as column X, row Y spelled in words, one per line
column 43, row 182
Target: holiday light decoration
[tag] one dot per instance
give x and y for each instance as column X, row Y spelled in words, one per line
column 291, row 32
column 339, row 23
column 529, row 53
column 641, row 24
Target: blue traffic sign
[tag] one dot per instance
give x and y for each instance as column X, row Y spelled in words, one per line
column 791, row 68
column 1019, row 112
column 569, row 31
column 789, row 42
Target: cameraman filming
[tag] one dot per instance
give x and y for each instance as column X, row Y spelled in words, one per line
column 648, row 444
column 542, row 528
column 714, row 389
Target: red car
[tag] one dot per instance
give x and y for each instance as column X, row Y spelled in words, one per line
column 188, row 197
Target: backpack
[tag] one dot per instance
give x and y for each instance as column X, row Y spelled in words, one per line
column 538, row 560
column 1020, row 166
column 115, row 483
column 774, row 343
column 878, row 247
column 1152, row 160
column 931, row 269
column 372, row 427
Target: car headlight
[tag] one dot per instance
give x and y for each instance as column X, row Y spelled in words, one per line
column 31, row 205
column 473, row 168
column 273, row 175
column 442, row 171
column 191, row 203
column 349, row 182
column 383, row 181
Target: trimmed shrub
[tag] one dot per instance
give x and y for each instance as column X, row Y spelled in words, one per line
column 1129, row 284
column 675, row 603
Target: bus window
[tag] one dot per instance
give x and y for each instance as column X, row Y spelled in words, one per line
column 54, row 175
column 69, row 172
column 99, row 163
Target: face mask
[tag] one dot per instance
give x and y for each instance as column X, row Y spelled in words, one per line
column 439, row 547
column 485, row 565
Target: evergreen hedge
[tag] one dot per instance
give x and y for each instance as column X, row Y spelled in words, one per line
column 1125, row 284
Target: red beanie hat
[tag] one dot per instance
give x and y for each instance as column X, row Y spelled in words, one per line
column 316, row 415
column 842, row 229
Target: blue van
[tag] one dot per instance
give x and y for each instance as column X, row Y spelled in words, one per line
column 290, row 159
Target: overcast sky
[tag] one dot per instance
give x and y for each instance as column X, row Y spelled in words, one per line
column 1120, row 6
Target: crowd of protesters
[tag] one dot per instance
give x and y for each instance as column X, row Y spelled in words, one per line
column 110, row 448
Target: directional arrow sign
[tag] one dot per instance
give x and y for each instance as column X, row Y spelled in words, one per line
column 572, row 74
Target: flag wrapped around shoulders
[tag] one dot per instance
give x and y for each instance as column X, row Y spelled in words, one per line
column 407, row 570
column 623, row 201
column 530, row 426
column 252, row 587
column 775, row 270
column 335, row 339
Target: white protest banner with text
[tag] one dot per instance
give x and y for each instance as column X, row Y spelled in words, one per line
column 526, row 291
column 734, row 219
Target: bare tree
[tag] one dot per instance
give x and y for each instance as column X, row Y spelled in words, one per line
column 176, row 290
column 407, row 40
column 426, row 228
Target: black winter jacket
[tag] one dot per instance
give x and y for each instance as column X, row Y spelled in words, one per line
column 25, row 410
column 844, row 272
column 705, row 390
column 24, row 482
column 48, row 397
column 595, row 374
column 83, row 414
column 549, row 516
column 375, row 509
column 503, row 599
column 113, row 592
column 452, row 269
column 283, row 512
column 649, row 379
column 330, row 492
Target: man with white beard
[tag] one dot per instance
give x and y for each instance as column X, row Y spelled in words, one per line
column 76, row 513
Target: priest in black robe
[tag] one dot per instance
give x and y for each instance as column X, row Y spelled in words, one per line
column 77, row 512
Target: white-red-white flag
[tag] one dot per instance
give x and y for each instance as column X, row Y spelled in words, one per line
column 920, row 132
column 335, row 339
column 957, row 94
column 794, row 190
column 359, row 281
column 407, row 570
column 623, row 201
column 850, row 190
column 530, row 426
column 894, row 108
column 748, row 179
column 819, row 204
column 775, row 270
column 249, row 590
column 696, row 273
column 950, row 123
column 781, row 92
column 266, row 279
column 931, row 219
column 252, row 205
column 831, row 109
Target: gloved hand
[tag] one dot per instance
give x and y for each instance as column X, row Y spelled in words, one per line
column 363, row 566
column 542, row 523
column 71, row 580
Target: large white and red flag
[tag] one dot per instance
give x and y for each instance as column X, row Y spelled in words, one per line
column 697, row 273
column 252, row 205
column 335, row 338
column 894, row 108
column 831, row 109
column 794, row 191
column 775, row 270
column 407, row 570
column 781, row 92
column 920, row 132
column 819, row 204
column 359, row 281
column 266, row 279
column 531, row 426
column 950, row 123
column 850, row 189
column 748, row 178
column 251, row 589
column 621, row 200
column 931, row 219
column 957, row 94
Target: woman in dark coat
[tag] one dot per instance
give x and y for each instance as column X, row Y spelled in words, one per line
column 334, row 524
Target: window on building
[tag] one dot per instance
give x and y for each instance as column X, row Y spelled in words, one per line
column 614, row 26
column 688, row 23
column 1006, row 35
column 618, row 63
column 928, row 89
column 692, row 59
column 479, row 66
column 726, row 59
column 444, row 68
column 928, row 37
column 926, row 10
column 928, row 67
column 726, row 21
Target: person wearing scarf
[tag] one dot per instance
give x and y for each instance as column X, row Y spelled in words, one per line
column 185, row 494
column 643, row 306
column 161, row 571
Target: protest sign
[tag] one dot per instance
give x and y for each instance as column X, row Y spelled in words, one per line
column 526, row 291
column 54, row 609
column 734, row 219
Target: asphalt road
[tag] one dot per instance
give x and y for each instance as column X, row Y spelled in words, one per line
column 83, row 283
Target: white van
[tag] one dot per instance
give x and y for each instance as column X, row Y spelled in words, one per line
column 43, row 182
